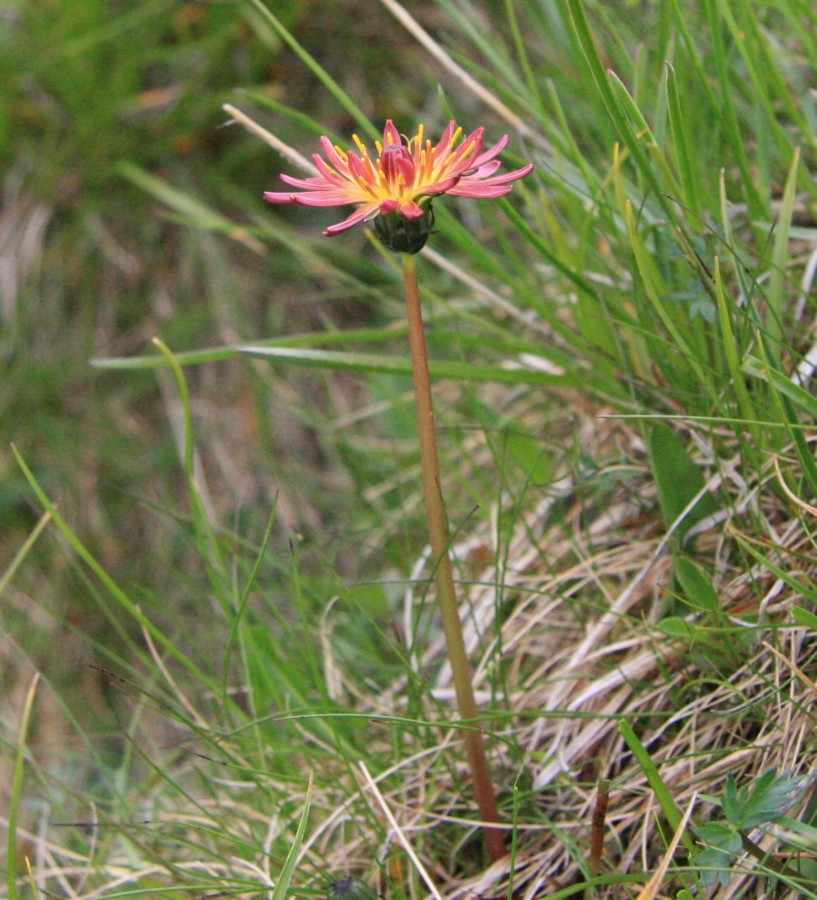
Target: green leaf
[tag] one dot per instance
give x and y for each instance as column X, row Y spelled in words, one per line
column 783, row 383
column 352, row 361
column 321, row 74
column 678, row 629
column 778, row 288
column 284, row 879
column 696, row 586
column 679, row 126
column 17, row 791
column 804, row 617
column 723, row 843
column 765, row 800
column 662, row 792
column 679, row 480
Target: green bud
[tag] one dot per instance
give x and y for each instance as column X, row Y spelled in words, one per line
column 404, row 235
column 351, row 888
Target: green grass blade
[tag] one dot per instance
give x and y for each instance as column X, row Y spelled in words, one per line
column 782, row 383
column 602, row 82
column 17, row 791
column 110, row 585
column 776, row 294
column 730, row 349
column 21, row 554
column 687, row 158
column 232, row 351
column 184, row 396
column 285, row 878
column 668, row 806
column 784, row 392
column 323, row 76
column 726, row 107
column 350, row 361
column 646, row 142
column 655, row 291
column 205, row 531
column 193, row 211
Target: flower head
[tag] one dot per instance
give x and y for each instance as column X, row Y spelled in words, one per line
column 397, row 185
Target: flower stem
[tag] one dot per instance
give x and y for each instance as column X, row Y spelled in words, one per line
column 439, row 539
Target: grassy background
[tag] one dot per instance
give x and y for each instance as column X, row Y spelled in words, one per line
column 658, row 266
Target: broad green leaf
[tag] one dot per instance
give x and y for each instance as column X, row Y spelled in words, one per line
column 697, row 586
column 723, row 843
column 804, row 617
column 677, row 628
column 678, row 480
column 766, row 799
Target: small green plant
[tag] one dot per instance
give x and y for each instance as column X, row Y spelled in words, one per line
column 746, row 810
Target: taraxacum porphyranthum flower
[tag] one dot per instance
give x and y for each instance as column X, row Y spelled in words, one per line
column 396, row 187
column 395, row 190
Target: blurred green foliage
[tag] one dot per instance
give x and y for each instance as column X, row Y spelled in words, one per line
column 93, row 267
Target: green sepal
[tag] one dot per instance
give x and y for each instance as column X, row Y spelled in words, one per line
column 404, row 235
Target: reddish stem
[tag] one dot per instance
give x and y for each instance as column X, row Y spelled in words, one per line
column 439, row 540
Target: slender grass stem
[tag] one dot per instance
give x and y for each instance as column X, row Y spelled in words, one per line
column 439, row 539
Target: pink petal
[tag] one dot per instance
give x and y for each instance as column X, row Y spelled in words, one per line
column 313, row 198
column 308, row 184
column 391, row 136
column 326, row 172
column 411, row 210
column 480, row 191
column 472, row 183
column 325, row 198
column 440, row 187
column 358, row 216
column 483, row 171
column 510, row 176
column 396, row 161
column 273, row 197
column 362, row 170
column 356, row 169
column 461, row 159
column 444, row 144
column 498, row 147
column 333, row 156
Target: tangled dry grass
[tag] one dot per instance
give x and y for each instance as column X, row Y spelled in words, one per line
column 586, row 585
column 581, row 590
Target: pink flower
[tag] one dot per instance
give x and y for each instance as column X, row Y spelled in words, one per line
column 402, row 179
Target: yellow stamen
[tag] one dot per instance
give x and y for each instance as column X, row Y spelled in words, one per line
column 465, row 154
column 364, row 184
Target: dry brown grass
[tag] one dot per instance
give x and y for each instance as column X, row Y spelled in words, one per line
column 587, row 585
column 584, row 581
